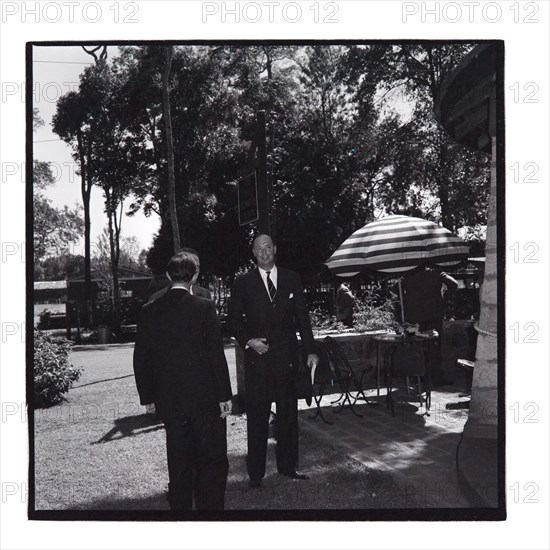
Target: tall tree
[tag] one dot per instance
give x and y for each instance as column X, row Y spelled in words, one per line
column 341, row 153
column 117, row 157
column 207, row 149
column 316, row 195
column 54, row 229
column 425, row 162
column 170, row 146
column 96, row 122
column 74, row 125
column 98, row 84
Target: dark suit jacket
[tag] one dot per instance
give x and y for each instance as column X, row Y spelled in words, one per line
column 422, row 295
column 197, row 291
column 179, row 362
column 252, row 315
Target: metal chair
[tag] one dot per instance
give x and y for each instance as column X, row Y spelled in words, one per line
column 406, row 361
column 325, row 375
column 347, row 377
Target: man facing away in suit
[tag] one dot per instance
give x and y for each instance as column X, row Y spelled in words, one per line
column 194, row 288
column 267, row 305
column 425, row 291
column 180, row 366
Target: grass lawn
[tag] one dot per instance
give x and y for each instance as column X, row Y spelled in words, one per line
column 98, row 451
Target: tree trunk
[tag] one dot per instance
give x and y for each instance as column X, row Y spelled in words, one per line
column 443, row 184
column 115, row 296
column 270, row 146
column 85, row 189
column 157, row 159
column 170, row 148
column 268, row 65
column 87, row 263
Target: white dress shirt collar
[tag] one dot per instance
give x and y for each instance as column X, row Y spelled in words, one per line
column 272, row 276
column 176, row 286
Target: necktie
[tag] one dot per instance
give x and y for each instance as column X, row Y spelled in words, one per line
column 271, row 288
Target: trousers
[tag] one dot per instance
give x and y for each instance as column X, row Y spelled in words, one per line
column 197, row 461
column 261, row 389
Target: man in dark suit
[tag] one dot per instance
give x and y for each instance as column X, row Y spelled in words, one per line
column 425, row 291
column 194, row 289
column 180, row 366
column 267, row 305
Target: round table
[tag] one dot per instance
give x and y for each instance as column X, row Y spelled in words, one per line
column 396, row 339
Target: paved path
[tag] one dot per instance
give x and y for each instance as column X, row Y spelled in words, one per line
column 419, row 450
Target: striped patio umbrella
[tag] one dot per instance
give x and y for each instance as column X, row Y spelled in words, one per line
column 397, row 244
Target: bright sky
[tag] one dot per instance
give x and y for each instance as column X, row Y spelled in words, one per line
column 56, row 71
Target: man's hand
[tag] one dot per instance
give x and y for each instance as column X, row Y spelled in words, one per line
column 312, row 360
column 150, row 409
column 225, row 408
column 259, row 345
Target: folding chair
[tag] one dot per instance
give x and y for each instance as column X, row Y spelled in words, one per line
column 347, row 377
column 405, row 361
column 325, row 375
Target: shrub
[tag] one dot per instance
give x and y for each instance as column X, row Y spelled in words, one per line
column 369, row 316
column 321, row 320
column 129, row 310
column 106, row 314
column 53, row 372
column 373, row 310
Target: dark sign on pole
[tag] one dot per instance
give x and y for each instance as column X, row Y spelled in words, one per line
column 247, row 191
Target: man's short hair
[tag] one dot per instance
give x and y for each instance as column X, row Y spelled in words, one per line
column 189, row 250
column 182, row 266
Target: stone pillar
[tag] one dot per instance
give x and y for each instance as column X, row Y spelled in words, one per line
column 477, row 456
column 482, row 420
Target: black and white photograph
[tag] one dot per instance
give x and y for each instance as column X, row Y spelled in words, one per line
column 265, row 280
column 274, row 275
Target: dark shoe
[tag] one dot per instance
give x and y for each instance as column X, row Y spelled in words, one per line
column 294, row 475
column 255, row 483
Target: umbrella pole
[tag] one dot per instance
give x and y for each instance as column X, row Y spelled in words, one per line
column 401, row 300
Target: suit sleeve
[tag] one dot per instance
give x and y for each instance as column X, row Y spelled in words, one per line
column 143, row 357
column 449, row 282
column 302, row 318
column 237, row 320
column 158, row 294
column 202, row 292
column 216, row 355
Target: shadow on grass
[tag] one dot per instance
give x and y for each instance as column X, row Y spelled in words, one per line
column 336, row 482
column 102, row 347
column 155, row 502
column 101, row 381
column 339, row 480
column 130, row 426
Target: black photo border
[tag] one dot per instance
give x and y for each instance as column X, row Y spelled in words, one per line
column 400, row 514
